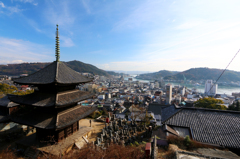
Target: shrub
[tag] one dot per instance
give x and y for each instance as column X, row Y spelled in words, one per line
column 187, row 141
column 136, row 143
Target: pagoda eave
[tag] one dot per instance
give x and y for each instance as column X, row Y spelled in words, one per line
column 57, row 100
column 51, row 120
column 54, row 73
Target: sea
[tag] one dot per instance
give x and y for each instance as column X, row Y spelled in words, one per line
column 200, row 88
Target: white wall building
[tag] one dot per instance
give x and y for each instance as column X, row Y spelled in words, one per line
column 152, row 86
column 210, row 88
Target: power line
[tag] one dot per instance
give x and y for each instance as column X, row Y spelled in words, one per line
column 224, row 70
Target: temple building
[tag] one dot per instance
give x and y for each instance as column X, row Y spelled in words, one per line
column 52, row 109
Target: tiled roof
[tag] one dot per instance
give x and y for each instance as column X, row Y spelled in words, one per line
column 56, row 72
column 169, row 111
column 156, row 108
column 72, row 115
column 210, row 126
column 4, row 118
column 5, row 102
column 51, row 119
column 61, row 99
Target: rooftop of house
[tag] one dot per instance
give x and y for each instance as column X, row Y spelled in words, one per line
column 209, row 126
column 169, row 111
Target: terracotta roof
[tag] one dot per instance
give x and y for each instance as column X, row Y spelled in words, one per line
column 56, row 72
column 210, row 126
column 41, row 118
column 60, row 99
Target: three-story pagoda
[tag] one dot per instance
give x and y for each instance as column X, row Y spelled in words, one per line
column 52, row 109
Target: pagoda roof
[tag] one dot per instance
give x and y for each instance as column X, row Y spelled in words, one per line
column 4, row 118
column 42, row 99
column 52, row 120
column 57, row 73
column 5, row 102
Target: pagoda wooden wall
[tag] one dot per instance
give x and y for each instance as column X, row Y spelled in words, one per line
column 61, row 134
column 56, row 136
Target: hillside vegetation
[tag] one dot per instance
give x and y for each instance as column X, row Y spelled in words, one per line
column 205, row 74
column 156, row 75
column 29, row 68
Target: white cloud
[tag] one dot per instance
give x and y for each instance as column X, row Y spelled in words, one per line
column 190, row 24
column 60, row 14
column 14, row 51
column 33, row 24
column 2, row 4
column 148, row 13
column 67, row 42
column 9, row 9
column 86, row 6
column 28, row 1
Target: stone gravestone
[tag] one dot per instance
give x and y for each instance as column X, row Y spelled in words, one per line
column 98, row 141
column 106, row 126
column 103, row 132
column 109, row 116
column 101, row 137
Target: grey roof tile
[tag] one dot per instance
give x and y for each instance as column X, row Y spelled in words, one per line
column 5, row 102
column 51, row 119
column 210, row 126
column 56, row 72
column 42, row 99
column 169, row 111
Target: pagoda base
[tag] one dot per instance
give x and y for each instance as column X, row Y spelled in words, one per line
column 58, row 148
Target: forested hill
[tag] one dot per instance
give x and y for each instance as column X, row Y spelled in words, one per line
column 28, row 68
column 205, row 74
column 156, row 75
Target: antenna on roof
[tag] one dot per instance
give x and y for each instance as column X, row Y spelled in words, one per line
column 57, row 54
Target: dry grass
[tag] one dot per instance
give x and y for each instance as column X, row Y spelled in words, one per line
column 165, row 154
column 179, row 141
column 7, row 153
column 114, row 151
column 89, row 152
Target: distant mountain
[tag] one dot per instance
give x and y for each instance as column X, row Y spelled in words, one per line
column 29, row 68
column 205, row 74
column 83, row 67
column 156, row 75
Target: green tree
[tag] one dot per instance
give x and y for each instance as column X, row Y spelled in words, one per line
column 7, row 89
column 238, row 106
column 235, row 106
column 210, row 103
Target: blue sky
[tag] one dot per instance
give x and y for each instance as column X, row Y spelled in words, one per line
column 129, row 35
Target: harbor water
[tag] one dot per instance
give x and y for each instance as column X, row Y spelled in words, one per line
column 200, row 88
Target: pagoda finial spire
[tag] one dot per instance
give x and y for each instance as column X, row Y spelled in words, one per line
column 57, row 53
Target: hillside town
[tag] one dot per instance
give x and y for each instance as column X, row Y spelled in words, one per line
column 57, row 112
column 136, row 113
